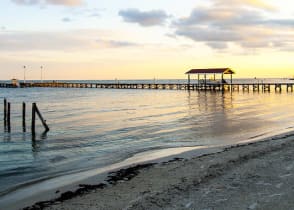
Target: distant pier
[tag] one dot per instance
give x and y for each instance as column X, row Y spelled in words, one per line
column 203, row 83
column 255, row 87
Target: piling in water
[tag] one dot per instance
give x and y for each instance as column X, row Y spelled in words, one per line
column 33, row 127
column 8, row 117
column 24, row 116
column 5, row 109
column 34, row 111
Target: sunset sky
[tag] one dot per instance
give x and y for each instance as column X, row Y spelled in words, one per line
column 145, row 39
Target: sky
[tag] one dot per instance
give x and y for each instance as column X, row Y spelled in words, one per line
column 146, row 39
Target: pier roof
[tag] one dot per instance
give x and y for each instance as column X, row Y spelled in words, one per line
column 211, row 71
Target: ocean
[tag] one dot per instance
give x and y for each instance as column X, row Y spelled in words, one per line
column 94, row 128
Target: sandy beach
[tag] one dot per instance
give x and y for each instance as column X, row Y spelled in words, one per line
column 257, row 175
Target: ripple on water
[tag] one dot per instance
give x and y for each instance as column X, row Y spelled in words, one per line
column 93, row 128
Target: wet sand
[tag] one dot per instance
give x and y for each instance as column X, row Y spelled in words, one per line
column 257, row 175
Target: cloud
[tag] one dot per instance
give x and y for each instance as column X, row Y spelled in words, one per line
column 93, row 12
column 82, row 12
column 217, row 45
column 34, row 41
column 57, row 41
column 242, row 22
column 66, row 19
column 144, row 18
column 52, row 2
column 114, row 43
column 26, row 2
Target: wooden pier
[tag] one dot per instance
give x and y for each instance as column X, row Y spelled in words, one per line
column 255, row 87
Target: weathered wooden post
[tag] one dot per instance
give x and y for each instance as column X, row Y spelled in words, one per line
column 5, row 110
column 42, row 119
column 222, row 82
column 205, row 82
column 189, row 81
column 24, row 116
column 232, row 82
column 198, row 81
column 34, row 111
column 8, row 117
column 33, row 127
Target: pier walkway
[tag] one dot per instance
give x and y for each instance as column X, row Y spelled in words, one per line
column 259, row 87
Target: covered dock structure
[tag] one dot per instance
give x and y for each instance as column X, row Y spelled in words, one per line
column 207, row 78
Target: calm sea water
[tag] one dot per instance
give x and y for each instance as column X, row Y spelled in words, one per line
column 92, row 128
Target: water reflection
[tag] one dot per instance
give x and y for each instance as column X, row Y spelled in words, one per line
column 210, row 108
column 24, row 136
column 38, row 142
column 210, row 101
column 219, row 118
column 44, row 135
column 7, row 127
column 24, row 129
column 7, row 137
column 36, row 145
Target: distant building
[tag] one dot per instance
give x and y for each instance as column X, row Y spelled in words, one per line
column 15, row 83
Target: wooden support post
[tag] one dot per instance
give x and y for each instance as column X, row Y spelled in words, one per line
column 33, row 127
column 5, row 110
column 24, row 116
column 8, row 117
column 231, row 81
column 290, row 86
column 222, row 82
column 189, row 81
column 278, row 86
column 41, row 118
column 204, row 81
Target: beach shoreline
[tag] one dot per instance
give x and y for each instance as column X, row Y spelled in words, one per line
column 59, row 188
column 125, row 176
